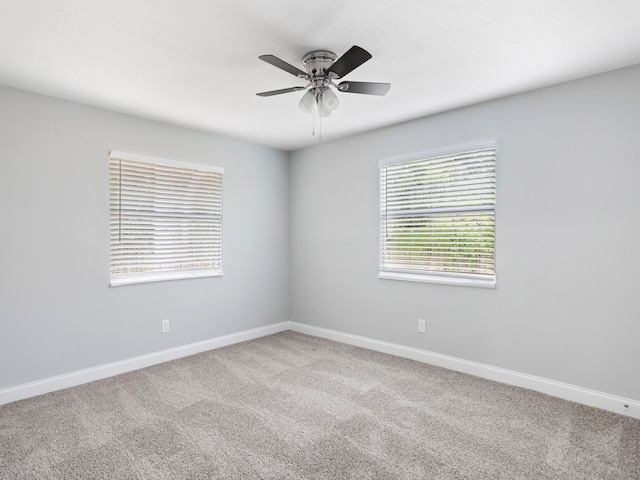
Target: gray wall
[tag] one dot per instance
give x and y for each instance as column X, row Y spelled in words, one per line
column 568, row 228
column 57, row 313
column 568, row 232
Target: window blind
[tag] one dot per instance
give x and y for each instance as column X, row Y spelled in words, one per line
column 437, row 216
column 165, row 219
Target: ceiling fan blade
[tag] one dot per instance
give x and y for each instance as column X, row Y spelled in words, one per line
column 368, row 88
column 352, row 59
column 278, row 92
column 276, row 62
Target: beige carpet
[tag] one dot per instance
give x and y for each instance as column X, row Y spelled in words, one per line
column 291, row 406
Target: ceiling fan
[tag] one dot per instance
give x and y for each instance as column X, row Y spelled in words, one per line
column 322, row 68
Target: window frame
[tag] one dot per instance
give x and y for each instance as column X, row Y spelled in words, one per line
column 216, row 222
column 432, row 276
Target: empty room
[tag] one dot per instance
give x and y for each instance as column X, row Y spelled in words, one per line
column 319, row 240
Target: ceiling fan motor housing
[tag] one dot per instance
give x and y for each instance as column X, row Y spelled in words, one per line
column 316, row 63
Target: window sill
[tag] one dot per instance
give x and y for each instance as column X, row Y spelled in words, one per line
column 439, row 279
column 162, row 277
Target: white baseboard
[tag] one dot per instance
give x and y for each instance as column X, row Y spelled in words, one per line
column 72, row 379
column 573, row 393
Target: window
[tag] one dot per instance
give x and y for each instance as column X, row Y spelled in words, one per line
column 437, row 218
column 165, row 219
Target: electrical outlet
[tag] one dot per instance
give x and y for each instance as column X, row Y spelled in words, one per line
column 165, row 325
column 422, row 326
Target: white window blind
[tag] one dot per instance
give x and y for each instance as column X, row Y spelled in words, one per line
column 437, row 218
column 165, row 219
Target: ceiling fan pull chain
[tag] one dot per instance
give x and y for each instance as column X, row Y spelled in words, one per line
column 313, row 115
column 316, row 112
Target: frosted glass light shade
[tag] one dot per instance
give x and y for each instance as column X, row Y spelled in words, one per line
column 323, row 111
column 330, row 99
column 307, row 101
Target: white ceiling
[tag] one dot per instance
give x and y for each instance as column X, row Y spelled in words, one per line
column 195, row 63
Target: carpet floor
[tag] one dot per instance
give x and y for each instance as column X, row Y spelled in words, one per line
column 292, row 406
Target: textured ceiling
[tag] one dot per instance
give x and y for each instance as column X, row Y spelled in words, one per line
column 195, row 63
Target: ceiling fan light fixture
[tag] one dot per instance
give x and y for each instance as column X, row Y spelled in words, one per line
column 327, row 101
